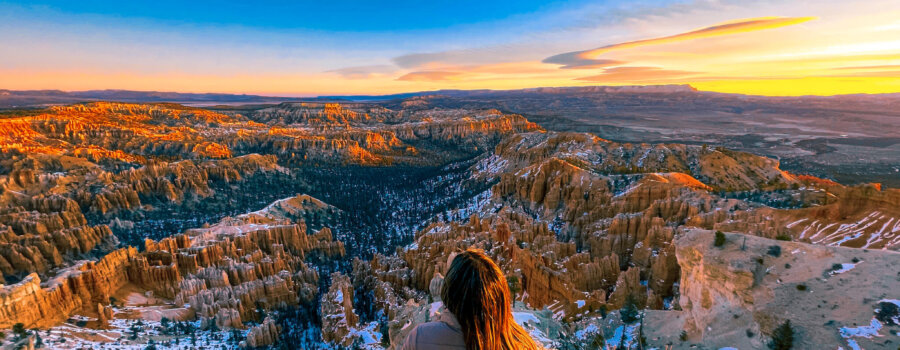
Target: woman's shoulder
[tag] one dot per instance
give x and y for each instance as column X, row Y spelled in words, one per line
column 438, row 327
column 436, row 335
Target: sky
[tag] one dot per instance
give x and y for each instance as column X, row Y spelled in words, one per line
column 341, row 47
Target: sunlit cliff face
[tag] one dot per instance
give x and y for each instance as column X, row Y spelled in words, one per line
column 784, row 48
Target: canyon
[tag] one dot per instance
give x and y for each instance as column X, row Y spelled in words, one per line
column 330, row 225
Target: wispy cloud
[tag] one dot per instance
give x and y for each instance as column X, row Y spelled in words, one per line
column 879, row 67
column 416, row 60
column 430, row 76
column 364, row 72
column 588, row 58
column 573, row 60
column 637, row 75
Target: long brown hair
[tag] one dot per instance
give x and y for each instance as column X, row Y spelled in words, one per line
column 476, row 292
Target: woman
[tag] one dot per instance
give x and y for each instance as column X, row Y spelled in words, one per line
column 480, row 317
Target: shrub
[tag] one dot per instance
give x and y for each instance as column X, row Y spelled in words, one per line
column 720, row 239
column 887, row 312
column 774, row 250
column 801, row 287
column 783, row 337
column 683, row 336
column 783, row 237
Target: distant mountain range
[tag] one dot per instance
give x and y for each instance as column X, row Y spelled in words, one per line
column 37, row 98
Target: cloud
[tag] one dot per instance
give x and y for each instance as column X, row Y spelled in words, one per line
column 363, row 72
column 588, row 58
column 873, row 74
column 475, row 56
column 887, row 71
column 454, row 57
column 637, row 74
column 415, row 60
column 886, row 66
column 570, row 60
column 511, row 68
column 430, row 76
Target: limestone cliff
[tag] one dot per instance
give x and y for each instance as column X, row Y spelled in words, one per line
column 735, row 293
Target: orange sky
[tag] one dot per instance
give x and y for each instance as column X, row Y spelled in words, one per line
column 773, row 49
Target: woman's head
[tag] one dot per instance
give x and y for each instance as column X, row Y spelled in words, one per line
column 476, row 292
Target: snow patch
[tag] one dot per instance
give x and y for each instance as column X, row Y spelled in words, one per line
column 844, row 268
column 861, row 332
column 523, row 318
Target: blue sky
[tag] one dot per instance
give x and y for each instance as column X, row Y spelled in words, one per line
column 338, row 15
column 783, row 47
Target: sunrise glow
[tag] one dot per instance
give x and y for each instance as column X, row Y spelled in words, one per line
column 789, row 48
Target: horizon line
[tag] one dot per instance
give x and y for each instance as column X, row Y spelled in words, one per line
column 375, row 95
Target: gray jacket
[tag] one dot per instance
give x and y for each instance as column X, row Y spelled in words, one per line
column 444, row 334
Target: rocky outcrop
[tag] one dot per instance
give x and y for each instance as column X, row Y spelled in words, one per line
column 40, row 304
column 263, row 334
column 323, row 114
column 245, row 264
column 716, row 168
column 226, row 273
column 338, row 317
column 750, row 285
column 458, row 128
column 104, row 314
column 858, row 216
column 40, row 233
column 541, row 270
column 120, row 134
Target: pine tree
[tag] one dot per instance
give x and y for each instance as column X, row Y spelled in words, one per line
column 783, row 337
column 213, row 327
column 38, row 341
column 597, row 340
column 622, row 342
column 19, row 330
column 513, row 283
column 135, row 330
column 629, row 311
column 164, row 323
column 642, row 340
